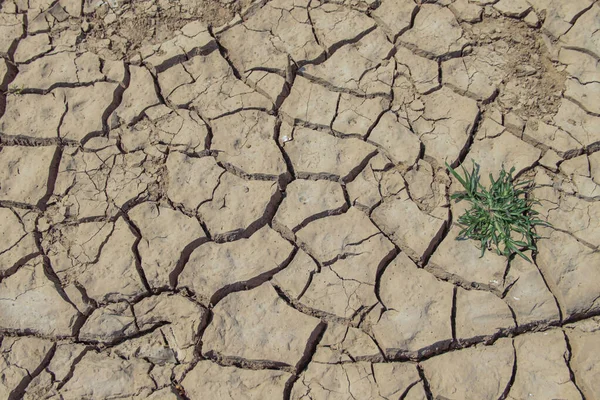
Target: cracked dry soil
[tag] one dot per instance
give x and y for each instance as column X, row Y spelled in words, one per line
column 249, row 201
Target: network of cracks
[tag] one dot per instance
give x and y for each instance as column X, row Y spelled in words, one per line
column 261, row 210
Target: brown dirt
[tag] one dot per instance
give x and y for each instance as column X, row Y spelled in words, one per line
column 135, row 23
column 262, row 210
column 533, row 86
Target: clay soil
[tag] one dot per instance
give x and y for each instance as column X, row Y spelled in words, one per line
column 249, row 200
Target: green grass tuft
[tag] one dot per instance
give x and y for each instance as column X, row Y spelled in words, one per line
column 501, row 216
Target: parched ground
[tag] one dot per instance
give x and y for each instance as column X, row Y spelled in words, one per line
column 203, row 200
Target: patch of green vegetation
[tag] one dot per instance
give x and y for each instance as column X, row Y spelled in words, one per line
column 17, row 90
column 501, row 217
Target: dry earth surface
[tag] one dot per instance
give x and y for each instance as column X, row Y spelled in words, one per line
column 204, row 200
